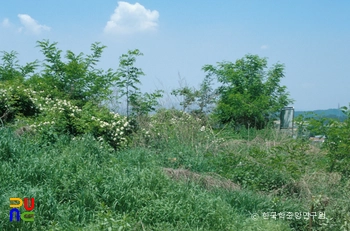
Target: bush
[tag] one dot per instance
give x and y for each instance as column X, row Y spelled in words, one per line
column 170, row 127
column 15, row 101
column 49, row 117
column 337, row 141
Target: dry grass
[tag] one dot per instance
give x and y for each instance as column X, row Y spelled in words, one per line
column 317, row 184
column 209, row 181
column 257, row 141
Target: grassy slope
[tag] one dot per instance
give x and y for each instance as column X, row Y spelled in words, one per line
column 77, row 185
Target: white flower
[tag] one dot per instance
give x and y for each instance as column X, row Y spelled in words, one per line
column 202, row 128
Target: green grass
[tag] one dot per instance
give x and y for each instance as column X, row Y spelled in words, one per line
column 78, row 184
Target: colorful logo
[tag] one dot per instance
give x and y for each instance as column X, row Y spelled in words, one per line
column 26, row 216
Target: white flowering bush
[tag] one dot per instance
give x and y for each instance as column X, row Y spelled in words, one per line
column 64, row 116
column 15, row 101
column 50, row 116
column 107, row 126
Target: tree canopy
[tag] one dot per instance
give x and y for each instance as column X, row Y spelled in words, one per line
column 78, row 78
column 251, row 93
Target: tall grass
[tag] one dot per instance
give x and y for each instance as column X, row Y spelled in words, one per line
column 79, row 184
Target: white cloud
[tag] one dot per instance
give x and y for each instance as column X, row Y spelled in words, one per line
column 6, row 22
column 264, row 47
column 130, row 18
column 31, row 25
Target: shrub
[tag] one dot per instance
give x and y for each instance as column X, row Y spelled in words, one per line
column 337, row 141
column 170, row 126
column 50, row 116
column 15, row 101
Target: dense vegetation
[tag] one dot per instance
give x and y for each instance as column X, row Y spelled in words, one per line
column 210, row 166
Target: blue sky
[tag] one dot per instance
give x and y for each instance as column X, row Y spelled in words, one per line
column 312, row 38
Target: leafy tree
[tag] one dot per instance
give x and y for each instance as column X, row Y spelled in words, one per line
column 142, row 104
column 206, row 95
column 250, row 93
column 188, row 96
column 129, row 76
column 10, row 70
column 78, row 78
column 137, row 104
column 197, row 102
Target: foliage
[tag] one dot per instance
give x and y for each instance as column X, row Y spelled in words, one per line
column 137, row 104
column 129, row 77
column 78, row 78
column 63, row 117
column 206, row 95
column 79, row 185
column 197, row 102
column 188, row 94
column 142, row 104
column 83, row 177
column 65, row 98
column 10, row 70
column 249, row 95
column 15, row 102
column 337, row 141
column 169, row 126
column 51, row 117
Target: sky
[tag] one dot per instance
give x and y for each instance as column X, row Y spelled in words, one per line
column 311, row 38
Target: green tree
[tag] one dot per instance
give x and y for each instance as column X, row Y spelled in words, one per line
column 129, row 76
column 77, row 78
column 198, row 102
column 206, row 95
column 250, row 94
column 188, row 96
column 142, row 104
column 10, row 70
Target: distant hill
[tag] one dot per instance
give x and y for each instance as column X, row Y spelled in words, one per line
column 329, row 113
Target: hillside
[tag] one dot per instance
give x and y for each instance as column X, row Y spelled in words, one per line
column 75, row 164
column 329, row 113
